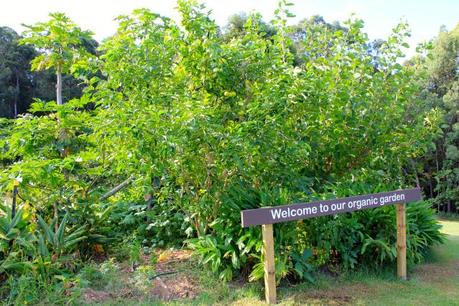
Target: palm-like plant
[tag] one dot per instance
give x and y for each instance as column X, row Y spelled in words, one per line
column 14, row 263
column 59, row 241
column 16, row 241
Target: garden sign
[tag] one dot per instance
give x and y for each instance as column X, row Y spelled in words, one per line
column 267, row 216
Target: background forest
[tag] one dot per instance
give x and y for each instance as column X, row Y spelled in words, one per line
column 160, row 136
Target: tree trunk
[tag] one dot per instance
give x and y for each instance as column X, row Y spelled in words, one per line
column 430, row 182
column 56, row 217
column 62, row 136
column 117, row 188
column 13, row 209
column 59, row 85
column 13, row 205
column 16, row 97
column 415, row 171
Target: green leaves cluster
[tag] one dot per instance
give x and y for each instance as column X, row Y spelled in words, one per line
column 60, row 41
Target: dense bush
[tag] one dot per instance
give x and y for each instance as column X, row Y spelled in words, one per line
column 209, row 125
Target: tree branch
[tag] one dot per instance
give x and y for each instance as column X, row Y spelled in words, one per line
column 117, row 188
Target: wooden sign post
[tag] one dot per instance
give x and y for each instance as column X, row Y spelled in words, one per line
column 267, row 216
column 401, row 241
column 269, row 263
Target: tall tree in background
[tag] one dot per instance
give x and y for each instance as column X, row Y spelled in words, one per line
column 236, row 27
column 15, row 77
column 19, row 86
column 438, row 73
column 61, row 43
column 443, row 68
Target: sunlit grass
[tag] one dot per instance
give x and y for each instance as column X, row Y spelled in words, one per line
column 450, row 227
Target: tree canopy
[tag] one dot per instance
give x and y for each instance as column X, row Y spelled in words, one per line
column 62, row 45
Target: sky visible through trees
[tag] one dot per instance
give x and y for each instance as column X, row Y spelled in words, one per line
column 425, row 17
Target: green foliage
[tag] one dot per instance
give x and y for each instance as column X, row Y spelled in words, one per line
column 423, row 230
column 301, row 265
column 208, row 126
column 35, row 252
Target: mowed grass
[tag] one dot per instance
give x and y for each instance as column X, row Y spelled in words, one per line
column 435, row 282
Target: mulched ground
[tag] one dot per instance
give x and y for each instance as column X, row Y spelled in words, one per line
column 170, row 284
column 174, row 286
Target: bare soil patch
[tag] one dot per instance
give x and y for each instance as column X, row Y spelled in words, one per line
column 339, row 295
column 178, row 285
column 169, row 281
column 96, row 296
column 433, row 273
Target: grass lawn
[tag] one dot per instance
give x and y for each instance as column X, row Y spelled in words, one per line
column 435, row 282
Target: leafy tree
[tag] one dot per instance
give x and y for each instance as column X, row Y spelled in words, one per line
column 62, row 46
column 444, row 82
column 301, row 31
column 19, row 85
column 210, row 126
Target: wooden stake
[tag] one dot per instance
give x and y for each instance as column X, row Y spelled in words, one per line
column 15, row 194
column 270, row 269
column 401, row 241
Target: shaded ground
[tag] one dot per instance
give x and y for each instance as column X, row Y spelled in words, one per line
column 177, row 280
